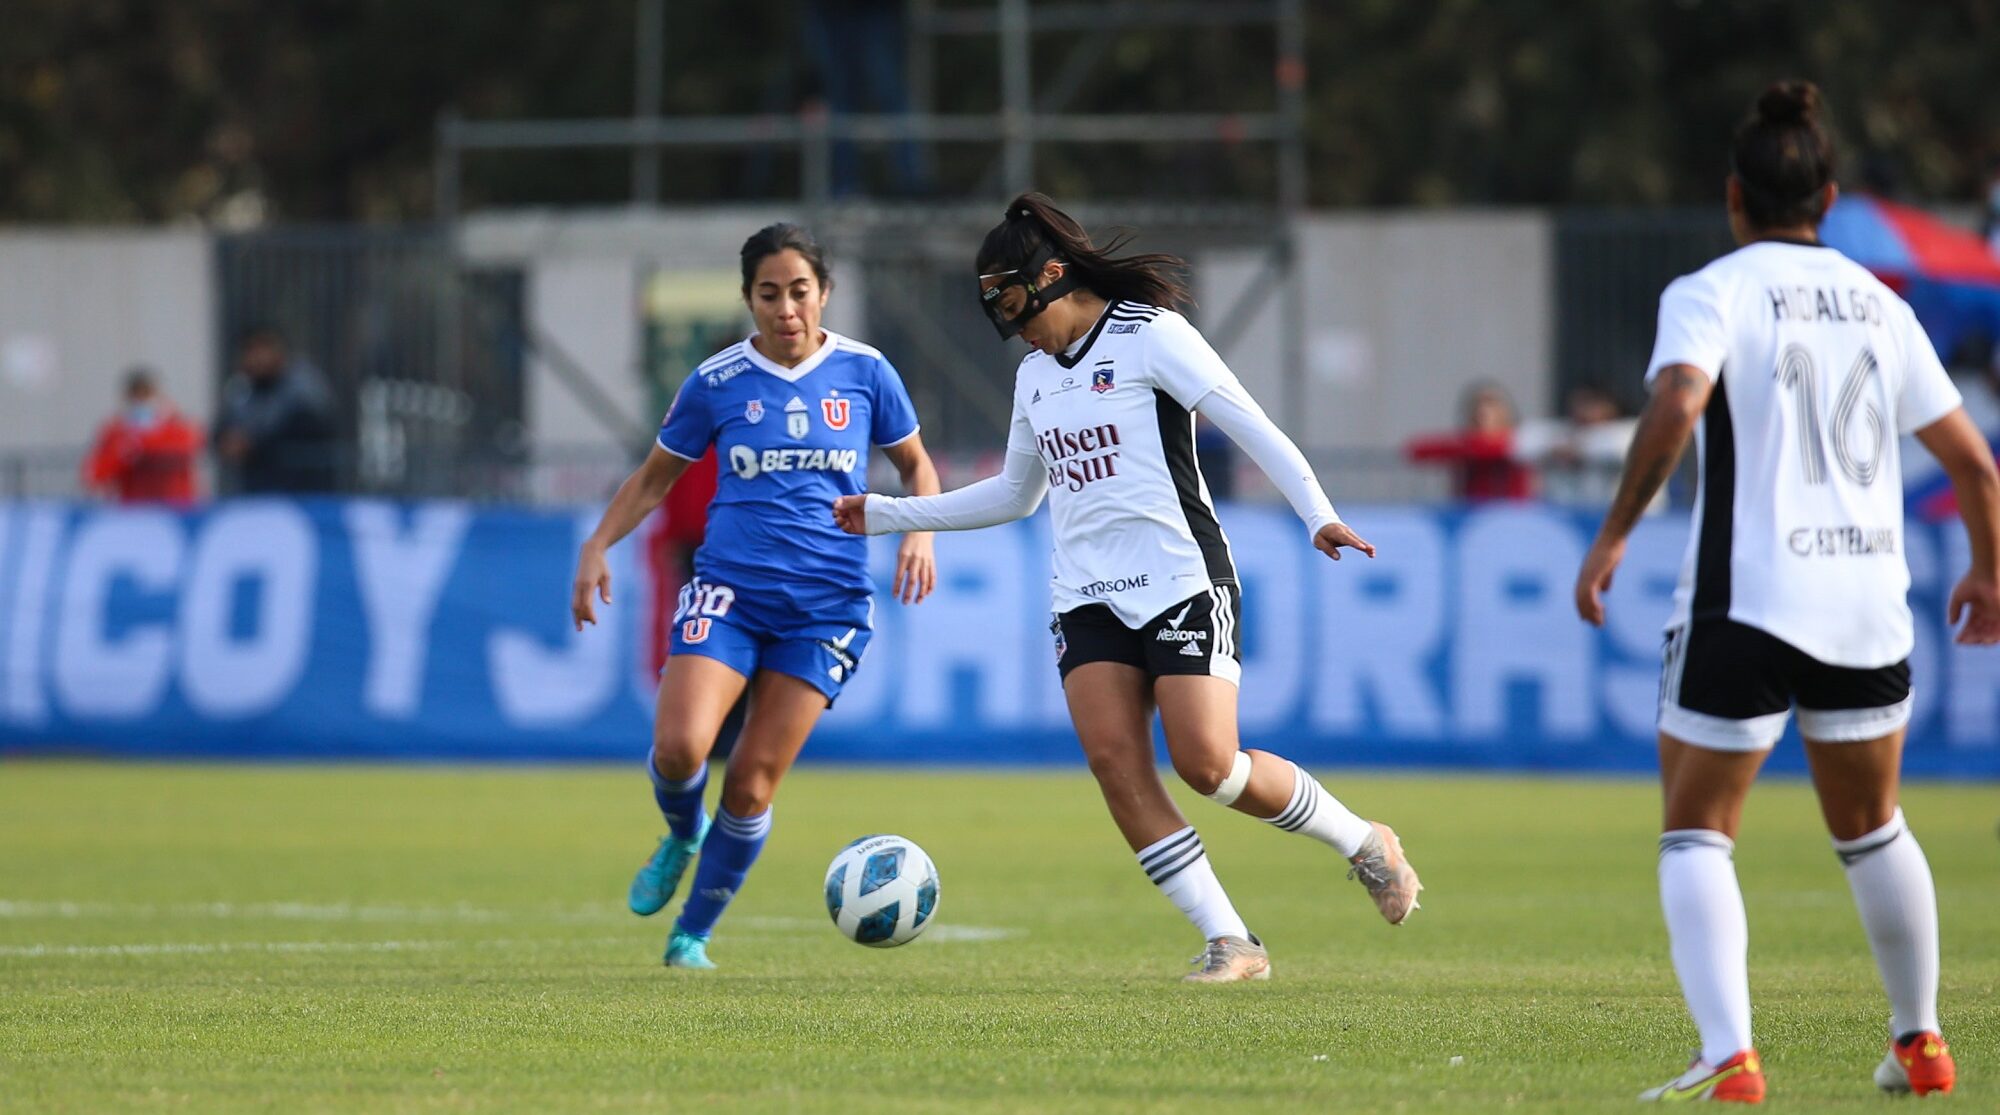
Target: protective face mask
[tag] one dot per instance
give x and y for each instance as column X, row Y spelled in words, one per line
column 140, row 414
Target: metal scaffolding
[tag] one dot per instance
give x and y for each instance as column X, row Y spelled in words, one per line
column 1028, row 117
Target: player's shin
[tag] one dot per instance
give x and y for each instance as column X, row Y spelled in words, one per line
column 1893, row 890
column 680, row 800
column 1308, row 809
column 1178, row 865
column 1710, row 937
column 726, row 856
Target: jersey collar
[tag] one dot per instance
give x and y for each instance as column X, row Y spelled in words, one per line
column 791, row 375
column 1794, row 241
column 1080, row 349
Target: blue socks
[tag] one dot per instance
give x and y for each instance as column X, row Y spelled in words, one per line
column 726, row 856
column 728, row 851
column 680, row 802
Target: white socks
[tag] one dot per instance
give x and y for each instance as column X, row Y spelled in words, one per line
column 1314, row 812
column 1892, row 887
column 1179, row 866
column 1710, row 935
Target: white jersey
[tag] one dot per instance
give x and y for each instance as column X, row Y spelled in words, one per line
column 1798, row 525
column 1112, row 421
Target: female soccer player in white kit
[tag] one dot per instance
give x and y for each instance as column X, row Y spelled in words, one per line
column 1146, row 595
column 1795, row 369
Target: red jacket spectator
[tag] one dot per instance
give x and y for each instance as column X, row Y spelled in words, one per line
column 146, row 452
column 1482, row 461
column 1482, row 453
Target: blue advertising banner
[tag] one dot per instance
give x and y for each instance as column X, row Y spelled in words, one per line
column 440, row 631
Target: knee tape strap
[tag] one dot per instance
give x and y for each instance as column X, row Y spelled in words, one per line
column 1232, row 786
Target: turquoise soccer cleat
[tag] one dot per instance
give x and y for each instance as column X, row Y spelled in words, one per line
column 687, row 950
column 661, row 875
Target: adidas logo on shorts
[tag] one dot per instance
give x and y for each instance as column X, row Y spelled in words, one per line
column 1192, row 650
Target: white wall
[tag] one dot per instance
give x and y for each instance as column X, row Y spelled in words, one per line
column 78, row 308
column 585, row 271
column 1401, row 310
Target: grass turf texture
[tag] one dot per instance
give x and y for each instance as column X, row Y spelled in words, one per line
column 293, row 939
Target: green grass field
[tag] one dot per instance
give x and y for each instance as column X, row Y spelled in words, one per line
column 292, row 939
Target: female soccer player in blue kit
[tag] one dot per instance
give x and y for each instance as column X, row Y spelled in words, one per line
column 781, row 601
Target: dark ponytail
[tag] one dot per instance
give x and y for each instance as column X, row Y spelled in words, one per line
column 783, row 236
column 1783, row 157
column 1034, row 222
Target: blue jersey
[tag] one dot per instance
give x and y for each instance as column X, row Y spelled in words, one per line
column 788, row 440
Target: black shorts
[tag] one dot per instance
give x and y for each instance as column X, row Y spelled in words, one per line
column 1196, row 636
column 1728, row 686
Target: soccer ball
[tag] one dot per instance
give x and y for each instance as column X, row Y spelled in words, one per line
column 881, row 891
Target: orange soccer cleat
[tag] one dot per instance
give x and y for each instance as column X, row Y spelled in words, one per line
column 1740, row 1079
column 1920, row 1063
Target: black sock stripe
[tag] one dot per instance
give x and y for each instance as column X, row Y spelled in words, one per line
column 1175, row 844
column 1682, row 843
column 1299, row 822
column 1853, row 856
column 1169, row 871
column 1302, row 802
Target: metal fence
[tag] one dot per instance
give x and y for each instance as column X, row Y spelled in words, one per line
column 1611, row 266
column 425, row 355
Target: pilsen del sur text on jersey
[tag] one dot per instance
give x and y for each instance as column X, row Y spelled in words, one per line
column 1824, row 305
column 1079, row 457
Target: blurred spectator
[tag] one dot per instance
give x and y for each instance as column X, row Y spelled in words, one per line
column 146, row 452
column 1481, row 454
column 1580, row 454
column 672, row 537
column 276, row 431
column 859, row 46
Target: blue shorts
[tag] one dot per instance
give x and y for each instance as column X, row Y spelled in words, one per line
column 822, row 649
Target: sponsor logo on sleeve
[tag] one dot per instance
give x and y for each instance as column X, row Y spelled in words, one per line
column 727, row 372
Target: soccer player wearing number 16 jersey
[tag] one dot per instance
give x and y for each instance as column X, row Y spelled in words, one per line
column 1795, row 369
column 1146, row 595
column 781, row 602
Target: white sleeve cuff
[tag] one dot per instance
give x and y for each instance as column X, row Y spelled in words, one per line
column 665, row 448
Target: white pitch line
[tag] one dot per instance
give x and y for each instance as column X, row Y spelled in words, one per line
column 294, row 911
column 197, row 949
column 64, row 909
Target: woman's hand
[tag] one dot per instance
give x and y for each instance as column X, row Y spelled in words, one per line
column 850, row 513
column 592, row 576
column 1333, row 536
column 916, row 567
column 1976, row 601
column 1594, row 579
